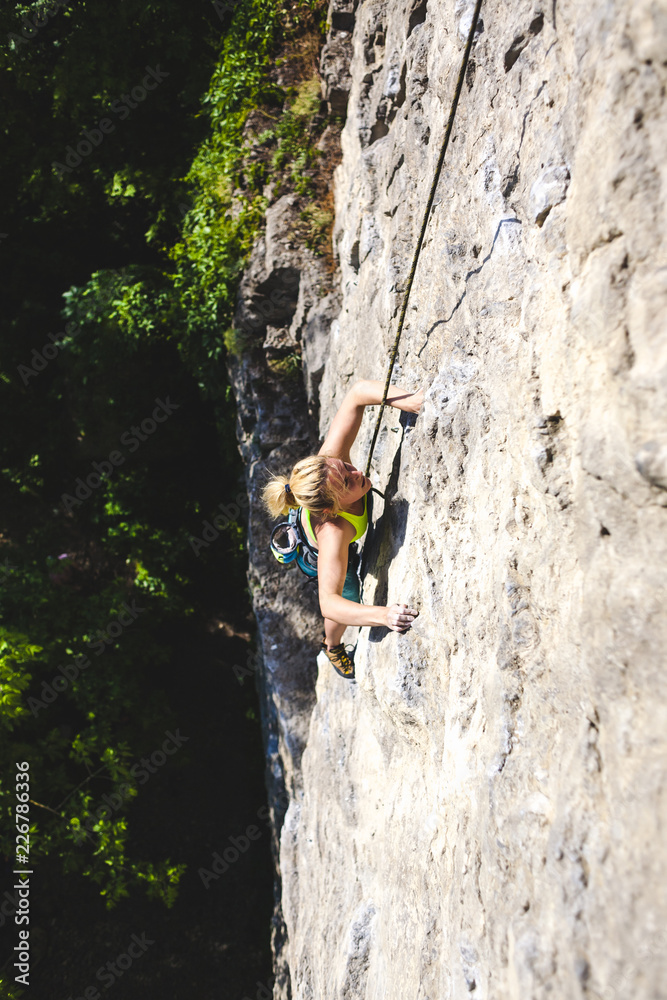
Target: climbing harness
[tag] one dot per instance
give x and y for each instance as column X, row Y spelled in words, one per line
column 289, row 543
column 438, row 170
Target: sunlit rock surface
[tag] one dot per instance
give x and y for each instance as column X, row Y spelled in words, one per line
column 482, row 812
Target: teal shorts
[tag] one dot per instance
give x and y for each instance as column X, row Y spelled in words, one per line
column 351, row 588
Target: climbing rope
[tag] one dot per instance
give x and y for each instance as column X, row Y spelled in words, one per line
column 438, row 169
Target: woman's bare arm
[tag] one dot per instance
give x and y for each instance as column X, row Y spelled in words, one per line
column 333, row 542
column 345, row 425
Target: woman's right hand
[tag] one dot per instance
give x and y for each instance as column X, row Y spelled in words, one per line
column 399, row 617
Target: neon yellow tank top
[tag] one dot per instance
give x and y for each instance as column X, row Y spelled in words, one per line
column 358, row 521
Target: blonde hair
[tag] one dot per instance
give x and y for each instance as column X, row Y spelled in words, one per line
column 313, row 483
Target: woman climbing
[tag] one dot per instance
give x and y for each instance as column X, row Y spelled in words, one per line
column 333, row 496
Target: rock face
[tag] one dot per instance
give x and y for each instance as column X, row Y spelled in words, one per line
column 482, row 812
column 284, row 315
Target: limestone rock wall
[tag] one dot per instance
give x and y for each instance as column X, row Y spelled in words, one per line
column 285, row 309
column 482, row 812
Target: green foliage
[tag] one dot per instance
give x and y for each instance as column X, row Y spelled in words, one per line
column 317, row 221
column 220, row 227
column 15, row 652
column 294, row 147
column 137, row 299
column 162, row 881
column 9, row 990
column 235, row 341
column 288, row 367
column 95, row 761
column 140, row 248
column 230, row 171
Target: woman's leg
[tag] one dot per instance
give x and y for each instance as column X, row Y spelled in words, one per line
column 333, row 632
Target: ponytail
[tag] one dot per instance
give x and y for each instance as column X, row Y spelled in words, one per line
column 313, row 484
column 278, row 496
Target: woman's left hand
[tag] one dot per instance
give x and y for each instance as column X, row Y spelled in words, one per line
column 399, row 617
column 415, row 402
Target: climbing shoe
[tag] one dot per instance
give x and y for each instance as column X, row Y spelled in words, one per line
column 340, row 660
